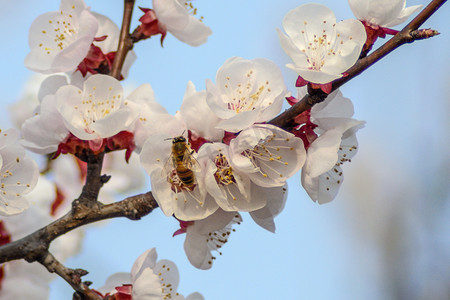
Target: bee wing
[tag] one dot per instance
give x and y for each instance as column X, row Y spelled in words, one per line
column 190, row 162
column 168, row 166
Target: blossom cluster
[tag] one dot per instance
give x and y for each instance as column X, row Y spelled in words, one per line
column 219, row 155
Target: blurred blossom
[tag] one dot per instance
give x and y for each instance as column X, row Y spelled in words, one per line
column 148, row 280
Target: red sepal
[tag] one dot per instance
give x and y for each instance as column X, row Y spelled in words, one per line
column 300, row 82
column 183, row 226
column 305, row 130
column 291, row 100
column 122, row 140
column 373, row 33
column 124, row 292
column 325, row 87
column 150, row 25
column 5, row 238
column 82, row 149
column 93, row 60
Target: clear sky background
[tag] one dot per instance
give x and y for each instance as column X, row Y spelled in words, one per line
column 386, row 235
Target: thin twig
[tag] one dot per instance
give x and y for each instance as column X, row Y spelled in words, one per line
column 125, row 43
column 72, row 276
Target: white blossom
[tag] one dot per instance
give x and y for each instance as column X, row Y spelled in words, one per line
column 324, row 187
column 18, row 174
column 382, row 13
column 60, row 40
column 336, row 144
column 178, row 17
column 149, row 280
column 231, row 189
column 207, row 235
column 43, row 132
column 320, row 48
column 246, row 92
column 267, row 154
column 186, row 200
column 96, row 112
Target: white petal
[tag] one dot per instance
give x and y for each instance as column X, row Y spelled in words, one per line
column 322, row 155
column 276, row 199
column 335, row 105
column 43, row 133
column 404, row 15
column 145, row 260
column 312, row 18
column 147, row 286
column 198, row 116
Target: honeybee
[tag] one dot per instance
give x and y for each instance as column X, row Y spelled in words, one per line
column 183, row 162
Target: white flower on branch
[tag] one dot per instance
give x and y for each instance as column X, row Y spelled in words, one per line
column 378, row 15
column 177, row 177
column 322, row 174
column 324, row 187
column 60, row 40
column 207, row 235
column 382, row 13
column 246, row 92
column 267, row 154
column 179, row 18
column 231, row 189
column 320, row 48
column 43, row 132
column 148, row 280
column 18, row 174
column 96, row 112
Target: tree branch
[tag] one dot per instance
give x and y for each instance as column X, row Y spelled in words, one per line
column 72, row 276
column 125, row 43
column 35, row 246
column 407, row 35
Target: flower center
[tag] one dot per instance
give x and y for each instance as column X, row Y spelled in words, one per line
column 224, row 173
column 318, row 48
column 266, row 157
column 246, row 96
column 59, row 33
column 93, row 107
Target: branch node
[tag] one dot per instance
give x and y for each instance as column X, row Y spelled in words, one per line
column 422, row 34
column 105, row 178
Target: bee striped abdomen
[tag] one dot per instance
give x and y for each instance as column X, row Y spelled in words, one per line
column 186, row 175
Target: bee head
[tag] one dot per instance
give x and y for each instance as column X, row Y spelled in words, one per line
column 178, row 139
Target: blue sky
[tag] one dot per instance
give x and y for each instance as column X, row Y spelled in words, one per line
column 333, row 251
